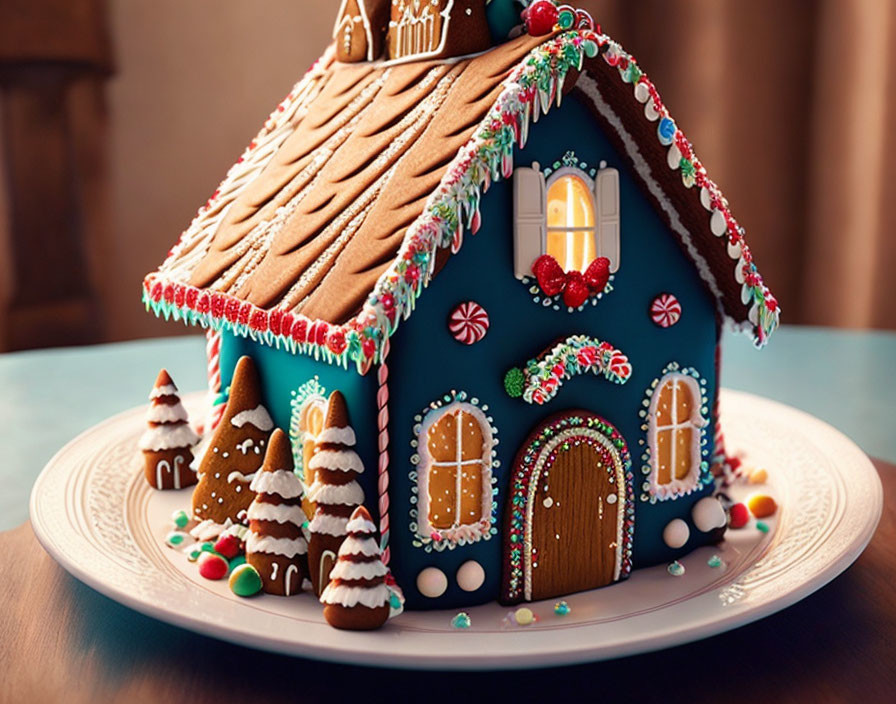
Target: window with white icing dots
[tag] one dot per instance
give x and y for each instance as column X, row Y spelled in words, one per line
column 570, row 215
column 454, row 476
column 674, row 434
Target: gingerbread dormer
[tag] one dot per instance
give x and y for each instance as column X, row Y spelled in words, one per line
column 360, row 31
column 437, row 28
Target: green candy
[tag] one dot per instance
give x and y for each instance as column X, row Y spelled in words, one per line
column 237, row 561
column 462, row 620
column 175, row 538
column 180, row 518
column 762, row 527
column 514, row 382
column 245, row 580
column 207, row 547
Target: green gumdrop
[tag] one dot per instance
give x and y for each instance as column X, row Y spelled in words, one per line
column 514, row 382
column 762, row 527
column 237, row 561
column 207, row 547
column 245, row 580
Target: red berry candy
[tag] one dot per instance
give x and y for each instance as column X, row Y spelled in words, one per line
column 576, row 291
column 738, row 516
column 212, row 566
column 541, row 18
column 228, row 546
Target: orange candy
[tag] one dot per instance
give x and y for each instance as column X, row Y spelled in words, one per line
column 762, row 505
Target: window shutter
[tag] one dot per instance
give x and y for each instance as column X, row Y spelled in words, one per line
column 606, row 195
column 529, row 218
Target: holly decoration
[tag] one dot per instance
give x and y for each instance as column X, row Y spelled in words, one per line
column 576, row 287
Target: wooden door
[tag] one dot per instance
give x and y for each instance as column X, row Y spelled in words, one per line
column 573, row 524
column 569, row 519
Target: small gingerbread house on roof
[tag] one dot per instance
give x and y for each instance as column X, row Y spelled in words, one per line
column 416, row 129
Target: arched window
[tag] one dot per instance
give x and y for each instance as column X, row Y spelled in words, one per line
column 570, row 222
column 454, row 478
column 674, row 435
column 571, row 216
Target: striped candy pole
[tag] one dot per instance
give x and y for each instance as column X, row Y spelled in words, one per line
column 213, row 357
column 382, row 403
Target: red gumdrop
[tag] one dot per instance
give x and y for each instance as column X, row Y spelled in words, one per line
column 738, row 516
column 541, row 17
column 212, row 566
column 228, row 546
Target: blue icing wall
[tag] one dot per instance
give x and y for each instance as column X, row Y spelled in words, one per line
column 282, row 373
column 426, row 362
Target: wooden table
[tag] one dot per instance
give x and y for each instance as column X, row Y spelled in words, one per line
column 62, row 641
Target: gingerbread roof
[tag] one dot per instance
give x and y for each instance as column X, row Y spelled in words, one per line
column 362, row 182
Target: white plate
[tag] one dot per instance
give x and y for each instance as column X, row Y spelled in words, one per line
column 94, row 513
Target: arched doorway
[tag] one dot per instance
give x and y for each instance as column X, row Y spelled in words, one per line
column 570, row 515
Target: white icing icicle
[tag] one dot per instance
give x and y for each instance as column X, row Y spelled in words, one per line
column 337, row 460
column 337, row 436
column 208, row 529
column 163, row 413
column 350, row 494
column 166, row 390
column 257, row 416
column 358, row 570
column 330, row 525
column 355, row 546
column 371, row 597
column 167, row 437
column 287, row 547
column 281, row 482
column 279, row 513
column 360, row 525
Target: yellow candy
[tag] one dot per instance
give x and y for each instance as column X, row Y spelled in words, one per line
column 758, row 476
column 524, row 616
column 762, row 505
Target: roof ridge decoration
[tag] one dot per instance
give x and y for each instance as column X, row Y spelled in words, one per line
column 531, row 89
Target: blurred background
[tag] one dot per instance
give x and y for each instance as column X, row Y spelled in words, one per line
column 119, row 118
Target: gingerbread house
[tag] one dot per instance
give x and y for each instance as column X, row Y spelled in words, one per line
column 508, row 258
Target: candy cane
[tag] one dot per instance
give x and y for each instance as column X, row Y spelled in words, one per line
column 382, row 402
column 213, row 355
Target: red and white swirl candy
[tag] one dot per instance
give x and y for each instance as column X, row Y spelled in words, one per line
column 665, row 310
column 468, row 322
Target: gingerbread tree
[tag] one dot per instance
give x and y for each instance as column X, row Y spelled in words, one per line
column 167, row 441
column 235, row 452
column 276, row 545
column 357, row 597
column 335, row 491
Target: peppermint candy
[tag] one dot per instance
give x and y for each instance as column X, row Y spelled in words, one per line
column 665, row 310
column 468, row 322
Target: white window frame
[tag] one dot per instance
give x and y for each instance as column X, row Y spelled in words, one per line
column 696, row 422
column 530, row 214
column 458, row 530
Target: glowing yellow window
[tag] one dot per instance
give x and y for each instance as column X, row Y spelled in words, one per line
column 675, row 429
column 570, row 223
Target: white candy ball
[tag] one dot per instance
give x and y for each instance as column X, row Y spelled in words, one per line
column 470, row 576
column 432, row 582
column 708, row 514
column 676, row 533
